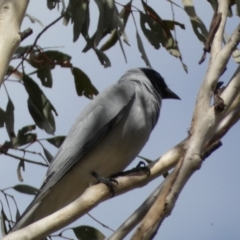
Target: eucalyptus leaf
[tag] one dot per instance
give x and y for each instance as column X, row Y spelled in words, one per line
column 83, row 84
column 88, row 233
column 2, row 117
column 45, row 75
column 19, row 174
column 39, row 106
column 103, row 58
column 47, row 154
column 56, row 141
column 3, row 222
column 9, row 119
column 27, row 189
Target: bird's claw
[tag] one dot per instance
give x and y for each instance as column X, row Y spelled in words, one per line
column 109, row 182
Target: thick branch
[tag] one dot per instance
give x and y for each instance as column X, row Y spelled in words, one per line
column 93, row 196
column 136, row 217
column 204, row 124
column 11, row 16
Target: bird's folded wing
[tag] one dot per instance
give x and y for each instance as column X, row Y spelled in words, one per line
column 93, row 124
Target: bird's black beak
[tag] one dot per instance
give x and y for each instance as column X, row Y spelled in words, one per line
column 170, row 94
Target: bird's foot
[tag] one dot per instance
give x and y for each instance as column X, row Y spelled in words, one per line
column 140, row 167
column 110, row 182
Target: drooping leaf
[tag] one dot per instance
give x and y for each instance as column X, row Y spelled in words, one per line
column 39, row 106
column 47, row 154
column 2, row 117
column 33, row 19
column 26, row 129
column 21, row 140
column 83, row 84
column 78, row 12
column 142, row 50
column 45, row 62
column 171, row 24
column 9, row 119
column 22, row 49
column 105, row 23
column 56, row 141
column 27, row 189
column 51, row 4
column 158, row 26
column 106, row 11
column 17, row 215
column 3, row 222
column 45, row 75
column 198, row 26
column 161, row 29
column 57, row 57
column 23, row 137
column 124, row 14
column 50, row 58
column 21, row 165
column 103, row 58
column 149, row 34
column 79, row 16
column 88, row 233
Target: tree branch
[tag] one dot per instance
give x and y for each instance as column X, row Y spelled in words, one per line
column 204, row 124
column 11, row 14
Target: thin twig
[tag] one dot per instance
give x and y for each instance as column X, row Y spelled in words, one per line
column 24, row 159
column 102, row 224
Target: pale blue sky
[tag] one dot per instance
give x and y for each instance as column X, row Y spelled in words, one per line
column 208, row 207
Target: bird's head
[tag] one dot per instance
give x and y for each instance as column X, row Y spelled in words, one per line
column 159, row 83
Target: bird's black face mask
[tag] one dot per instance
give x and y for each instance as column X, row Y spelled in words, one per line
column 159, row 83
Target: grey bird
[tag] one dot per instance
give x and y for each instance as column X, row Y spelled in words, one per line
column 105, row 138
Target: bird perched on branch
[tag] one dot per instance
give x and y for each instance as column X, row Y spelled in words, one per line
column 105, row 138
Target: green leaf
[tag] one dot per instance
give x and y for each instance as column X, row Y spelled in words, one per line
column 45, row 75
column 142, row 50
column 47, row 154
column 22, row 188
column 103, row 58
column 88, row 233
column 26, row 129
column 106, row 11
column 78, row 12
column 22, row 49
column 23, row 137
column 149, row 34
column 9, row 119
column 2, row 117
column 56, row 141
column 198, row 26
column 39, row 106
column 3, row 222
column 106, row 23
column 20, row 165
column 171, row 24
column 17, row 215
column 162, row 32
column 57, row 57
column 83, row 84
column 51, row 4
column 124, row 14
column 22, row 140
column 79, row 17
